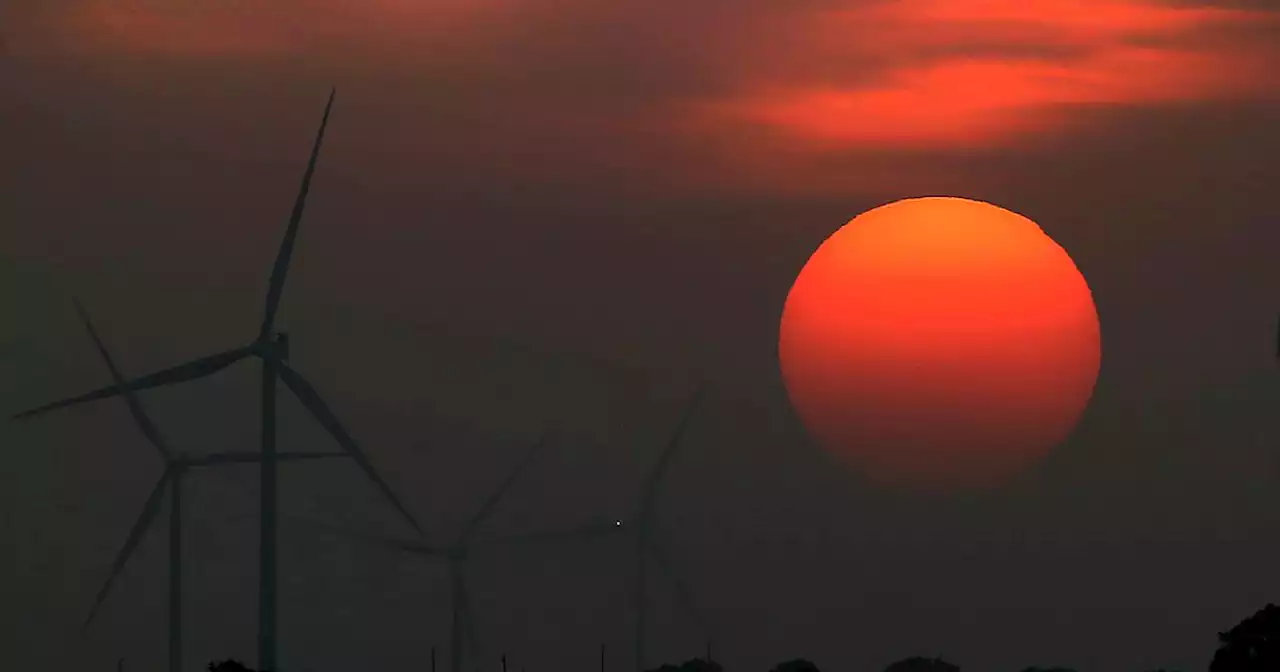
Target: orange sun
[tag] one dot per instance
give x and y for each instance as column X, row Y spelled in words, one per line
column 940, row 344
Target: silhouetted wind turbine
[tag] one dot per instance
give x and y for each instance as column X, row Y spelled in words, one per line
column 273, row 350
column 456, row 555
column 176, row 466
column 649, row 547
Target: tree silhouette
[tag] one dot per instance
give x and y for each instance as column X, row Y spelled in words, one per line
column 919, row 664
column 1251, row 646
column 797, row 665
column 691, row 665
column 229, row 665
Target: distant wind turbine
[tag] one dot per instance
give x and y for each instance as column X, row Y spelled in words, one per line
column 456, row 555
column 644, row 525
column 273, row 349
column 648, row 544
column 176, row 466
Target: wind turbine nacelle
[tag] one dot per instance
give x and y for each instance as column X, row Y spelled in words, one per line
column 276, row 349
column 282, row 345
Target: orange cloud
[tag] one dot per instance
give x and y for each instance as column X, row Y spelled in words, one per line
column 803, row 95
column 263, row 29
column 938, row 74
column 131, row 28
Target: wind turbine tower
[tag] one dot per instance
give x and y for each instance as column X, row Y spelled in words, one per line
column 648, row 544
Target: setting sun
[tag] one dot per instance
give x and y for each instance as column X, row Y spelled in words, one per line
column 940, row 343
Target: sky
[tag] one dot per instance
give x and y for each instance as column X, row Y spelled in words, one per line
column 565, row 215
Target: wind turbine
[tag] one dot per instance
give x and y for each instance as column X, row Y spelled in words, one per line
column 273, row 349
column 176, row 466
column 457, row 553
column 648, row 545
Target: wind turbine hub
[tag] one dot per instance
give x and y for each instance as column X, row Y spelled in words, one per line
column 275, row 348
column 282, row 346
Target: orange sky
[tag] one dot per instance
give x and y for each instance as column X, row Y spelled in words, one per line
column 749, row 91
column 517, row 196
column 976, row 72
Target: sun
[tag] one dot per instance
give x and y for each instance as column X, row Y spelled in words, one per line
column 940, row 344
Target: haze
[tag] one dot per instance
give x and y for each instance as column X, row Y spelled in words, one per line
column 569, row 212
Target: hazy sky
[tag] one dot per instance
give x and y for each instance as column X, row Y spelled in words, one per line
column 566, row 213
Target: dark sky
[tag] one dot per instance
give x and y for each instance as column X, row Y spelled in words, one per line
column 566, row 213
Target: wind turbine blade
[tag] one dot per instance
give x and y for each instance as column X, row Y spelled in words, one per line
column 135, row 407
column 576, row 533
column 683, row 594
column 486, row 509
column 664, row 460
column 218, row 459
column 176, row 374
column 375, row 539
column 320, row 410
column 281, row 267
column 148, row 514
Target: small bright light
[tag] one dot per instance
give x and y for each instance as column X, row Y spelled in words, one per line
column 617, row 523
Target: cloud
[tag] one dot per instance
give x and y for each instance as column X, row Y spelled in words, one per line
column 239, row 29
column 970, row 73
column 808, row 94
